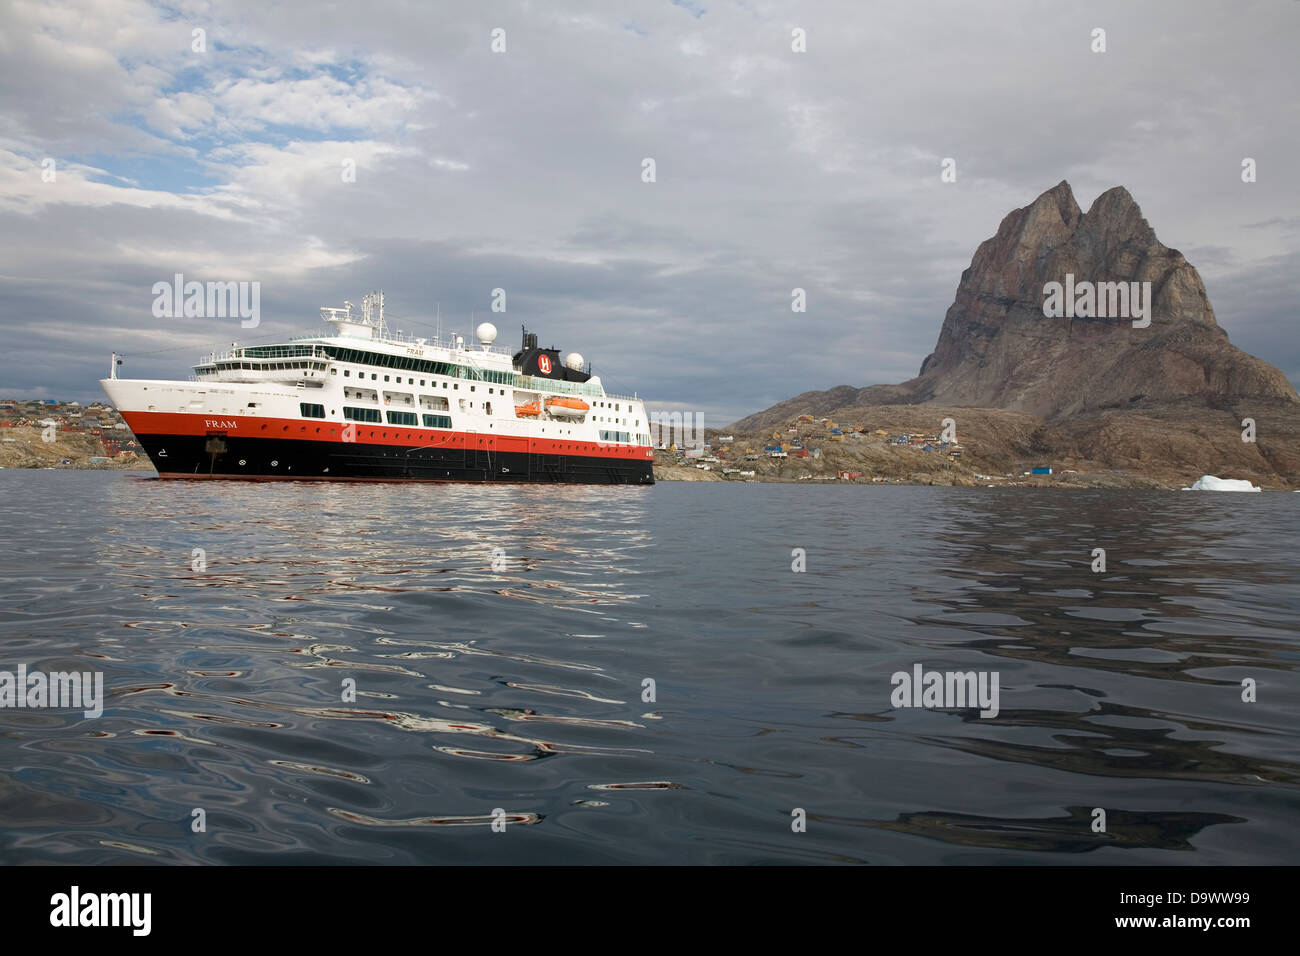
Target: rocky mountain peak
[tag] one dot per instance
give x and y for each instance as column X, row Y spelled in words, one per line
column 1088, row 325
column 1059, row 200
column 1131, row 323
column 1135, row 328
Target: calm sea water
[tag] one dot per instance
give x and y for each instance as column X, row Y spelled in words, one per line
column 519, row 688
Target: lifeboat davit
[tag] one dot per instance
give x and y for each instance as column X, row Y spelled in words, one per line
column 562, row 407
column 528, row 410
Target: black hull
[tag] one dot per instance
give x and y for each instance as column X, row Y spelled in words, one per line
column 197, row 456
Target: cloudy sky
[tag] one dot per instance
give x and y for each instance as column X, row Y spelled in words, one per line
column 522, row 170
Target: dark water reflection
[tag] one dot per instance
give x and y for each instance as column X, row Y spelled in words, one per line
column 499, row 640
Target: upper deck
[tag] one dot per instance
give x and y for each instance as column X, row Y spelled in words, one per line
column 309, row 360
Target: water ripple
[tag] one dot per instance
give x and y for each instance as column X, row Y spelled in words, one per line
column 338, row 674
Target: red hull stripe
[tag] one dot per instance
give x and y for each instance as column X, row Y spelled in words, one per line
column 290, row 429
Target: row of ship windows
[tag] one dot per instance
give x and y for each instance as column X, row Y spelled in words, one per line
column 435, row 403
column 615, row 406
column 431, row 402
column 419, row 365
column 374, row 376
column 372, row 415
column 262, row 367
column 384, row 360
column 320, row 366
column 410, row 419
column 397, row 361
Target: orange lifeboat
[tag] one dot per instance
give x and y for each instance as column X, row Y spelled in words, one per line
column 563, row 407
column 528, row 410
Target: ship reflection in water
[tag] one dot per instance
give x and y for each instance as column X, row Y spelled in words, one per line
column 396, row 673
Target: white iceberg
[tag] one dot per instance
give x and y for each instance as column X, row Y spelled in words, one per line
column 1211, row 483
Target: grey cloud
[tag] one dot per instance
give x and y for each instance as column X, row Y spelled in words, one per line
column 522, row 171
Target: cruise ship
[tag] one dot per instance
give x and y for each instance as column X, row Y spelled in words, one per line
column 359, row 403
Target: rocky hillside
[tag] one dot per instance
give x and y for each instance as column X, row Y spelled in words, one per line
column 1169, row 397
column 25, row 447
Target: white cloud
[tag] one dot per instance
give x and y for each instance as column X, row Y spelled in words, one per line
column 522, row 169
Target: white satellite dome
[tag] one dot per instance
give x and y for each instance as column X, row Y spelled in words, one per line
column 575, row 361
column 486, row 332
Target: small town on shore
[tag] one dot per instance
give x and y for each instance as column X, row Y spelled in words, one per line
column 47, row 433
column 808, row 448
column 899, row 445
